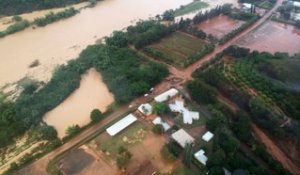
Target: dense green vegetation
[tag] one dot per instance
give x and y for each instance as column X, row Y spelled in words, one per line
column 16, row 27
column 53, row 17
column 191, row 7
column 13, row 7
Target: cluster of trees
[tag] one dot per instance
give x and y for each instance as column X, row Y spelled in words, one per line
column 13, row 7
column 123, row 157
column 53, row 17
column 16, row 27
column 171, row 151
column 126, row 74
column 147, row 32
column 202, row 92
column 201, row 17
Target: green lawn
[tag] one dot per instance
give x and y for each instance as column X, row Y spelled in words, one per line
column 191, row 7
column 176, row 48
column 133, row 133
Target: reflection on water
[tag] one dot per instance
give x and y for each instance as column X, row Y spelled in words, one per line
column 76, row 109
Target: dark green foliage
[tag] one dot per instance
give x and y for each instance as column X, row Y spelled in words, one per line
column 188, row 155
column 17, row 18
column 297, row 23
column 53, row 17
column 147, row 32
column 47, row 132
column 168, row 15
column 96, row 115
column 160, row 108
column 242, row 127
column 217, row 158
column 16, row 27
column 123, row 157
column 216, row 170
column 201, row 92
column 118, row 39
column 158, row 129
column 72, row 130
column 13, row 7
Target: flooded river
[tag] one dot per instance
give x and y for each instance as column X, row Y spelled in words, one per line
column 76, row 109
column 64, row 40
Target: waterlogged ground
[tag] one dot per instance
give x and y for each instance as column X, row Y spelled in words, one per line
column 273, row 37
column 219, row 26
column 76, row 109
column 64, row 40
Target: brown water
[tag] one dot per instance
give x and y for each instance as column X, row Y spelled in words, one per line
column 219, row 26
column 61, row 41
column 76, row 109
column 273, row 37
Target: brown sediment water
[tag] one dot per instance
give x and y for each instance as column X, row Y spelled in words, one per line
column 219, row 26
column 273, row 37
column 64, row 40
column 92, row 93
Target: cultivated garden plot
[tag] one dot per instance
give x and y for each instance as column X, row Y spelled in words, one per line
column 177, row 48
column 273, row 37
column 219, row 26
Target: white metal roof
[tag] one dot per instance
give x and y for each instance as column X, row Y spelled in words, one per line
column 296, row 4
column 201, row 157
column 188, row 116
column 182, row 137
column 145, row 109
column 168, row 94
column 159, row 121
column 247, row 5
column 207, row 136
column 121, row 124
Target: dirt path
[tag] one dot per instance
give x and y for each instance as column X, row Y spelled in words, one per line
column 275, row 151
column 39, row 166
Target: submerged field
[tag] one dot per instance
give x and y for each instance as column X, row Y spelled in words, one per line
column 273, row 37
column 177, row 47
column 219, row 26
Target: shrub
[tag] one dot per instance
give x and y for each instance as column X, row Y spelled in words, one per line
column 158, row 129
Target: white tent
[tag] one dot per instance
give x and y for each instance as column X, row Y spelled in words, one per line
column 182, row 138
column 201, row 157
column 247, row 5
column 296, row 4
column 166, row 95
column 159, row 121
column 146, row 109
column 207, row 136
column 188, row 116
column 121, row 124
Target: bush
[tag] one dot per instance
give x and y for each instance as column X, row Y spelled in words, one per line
column 158, row 129
column 123, row 157
column 72, row 130
column 47, row 132
column 201, row 92
column 167, row 155
column 96, row 115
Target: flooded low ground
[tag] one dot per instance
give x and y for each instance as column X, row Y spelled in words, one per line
column 92, row 93
column 64, row 40
column 273, row 37
column 220, row 26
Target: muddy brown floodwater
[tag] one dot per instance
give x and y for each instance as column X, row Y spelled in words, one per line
column 92, row 93
column 273, row 37
column 219, row 26
column 64, row 40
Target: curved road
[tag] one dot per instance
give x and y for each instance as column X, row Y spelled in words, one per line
column 39, row 166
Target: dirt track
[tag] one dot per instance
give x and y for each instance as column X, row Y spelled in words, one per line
column 275, row 151
column 39, row 166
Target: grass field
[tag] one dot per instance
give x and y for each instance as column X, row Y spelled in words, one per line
column 131, row 135
column 191, row 7
column 176, row 48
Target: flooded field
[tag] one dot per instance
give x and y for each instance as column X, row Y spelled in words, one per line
column 220, row 26
column 64, row 40
column 273, row 37
column 76, row 109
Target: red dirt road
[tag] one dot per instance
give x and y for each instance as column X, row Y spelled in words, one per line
column 275, row 151
column 39, row 166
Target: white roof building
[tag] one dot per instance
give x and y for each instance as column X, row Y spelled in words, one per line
column 201, row 157
column 207, row 136
column 166, row 95
column 182, row 138
column 188, row 116
column 159, row 121
column 146, row 109
column 297, row 17
column 121, row 124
